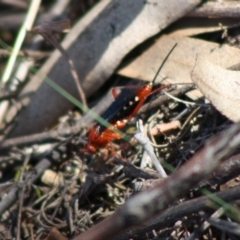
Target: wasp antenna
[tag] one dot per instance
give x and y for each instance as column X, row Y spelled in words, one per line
column 165, row 59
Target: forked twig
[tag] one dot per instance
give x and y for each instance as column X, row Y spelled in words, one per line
column 144, row 141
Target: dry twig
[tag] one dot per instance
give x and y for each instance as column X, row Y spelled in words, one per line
column 47, row 30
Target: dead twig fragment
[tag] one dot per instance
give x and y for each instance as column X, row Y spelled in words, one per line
column 47, row 29
column 165, row 127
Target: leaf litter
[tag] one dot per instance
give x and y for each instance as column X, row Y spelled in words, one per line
column 51, row 189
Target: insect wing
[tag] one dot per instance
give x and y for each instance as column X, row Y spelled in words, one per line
column 120, row 108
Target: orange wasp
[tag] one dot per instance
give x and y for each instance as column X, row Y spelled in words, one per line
column 120, row 112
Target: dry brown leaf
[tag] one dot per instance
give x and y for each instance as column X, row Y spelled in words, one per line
column 97, row 44
column 220, row 86
column 181, row 62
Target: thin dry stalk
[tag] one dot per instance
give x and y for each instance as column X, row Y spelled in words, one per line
column 47, row 30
